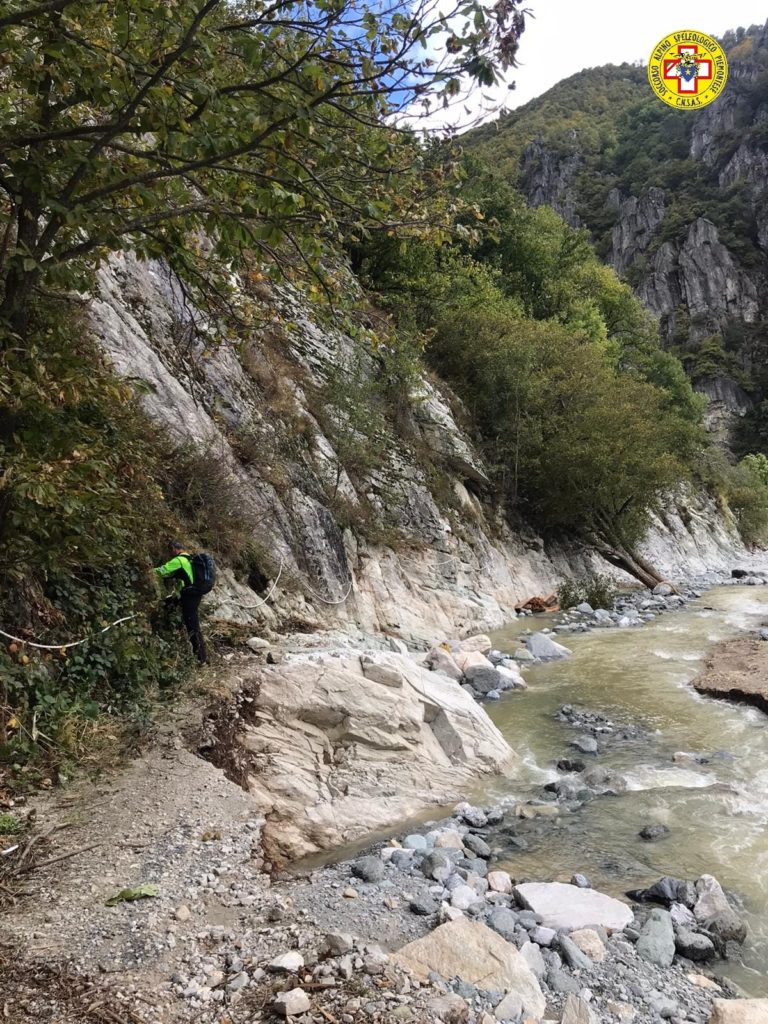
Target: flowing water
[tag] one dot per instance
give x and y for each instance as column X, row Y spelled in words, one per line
column 717, row 812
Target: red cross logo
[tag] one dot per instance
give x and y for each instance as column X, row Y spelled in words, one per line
column 687, row 83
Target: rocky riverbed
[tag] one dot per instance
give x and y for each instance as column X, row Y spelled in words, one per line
column 433, row 923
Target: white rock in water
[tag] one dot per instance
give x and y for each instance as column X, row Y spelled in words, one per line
column 566, row 906
column 544, row 648
column 291, row 1004
column 257, row 644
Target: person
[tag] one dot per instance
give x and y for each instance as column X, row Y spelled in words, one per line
column 179, row 568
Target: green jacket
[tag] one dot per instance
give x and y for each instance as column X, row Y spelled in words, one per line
column 179, row 568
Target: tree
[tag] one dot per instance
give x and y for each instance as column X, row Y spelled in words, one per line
column 261, row 124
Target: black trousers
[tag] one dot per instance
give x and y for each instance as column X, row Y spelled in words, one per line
column 190, row 602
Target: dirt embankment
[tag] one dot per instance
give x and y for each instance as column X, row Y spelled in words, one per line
column 736, row 670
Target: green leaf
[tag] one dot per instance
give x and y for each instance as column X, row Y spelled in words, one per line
column 139, row 892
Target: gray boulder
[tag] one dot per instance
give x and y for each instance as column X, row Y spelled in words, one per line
column 572, row 955
column 694, row 946
column 586, row 744
column 543, row 647
column 663, row 590
column 477, row 845
column 437, row 865
column 483, row 678
column 504, row 923
column 369, row 869
column 657, row 939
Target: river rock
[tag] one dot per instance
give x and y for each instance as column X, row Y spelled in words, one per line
column 337, row 944
column 499, row 881
column 657, row 939
column 602, row 617
column 473, row 952
column 545, row 648
column 415, row 841
column 369, row 869
column 448, row 840
column 480, row 642
column 471, row 659
column 477, row 845
column 713, row 910
column 437, row 865
column 543, row 936
column 463, row 897
column 584, row 608
column 577, row 1011
column 586, row 744
column 663, row 590
column 475, row 817
column 423, row 906
column 440, row 660
column 739, row 1011
column 504, row 923
column 291, row 1004
column 565, row 906
column 531, row 953
column 510, row 1007
column 572, row 955
column 256, row 643
column 694, row 946
column 652, row 833
column 483, row 678
column 560, row 981
column 511, row 678
column 590, row 943
column 450, row 1008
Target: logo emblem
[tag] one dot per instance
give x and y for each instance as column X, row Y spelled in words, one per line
column 687, row 69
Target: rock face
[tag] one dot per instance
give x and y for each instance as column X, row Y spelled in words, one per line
column 220, row 401
column 471, row 951
column 568, row 907
column 334, row 755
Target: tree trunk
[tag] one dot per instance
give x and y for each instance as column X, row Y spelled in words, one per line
column 15, row 307
column 624, row 558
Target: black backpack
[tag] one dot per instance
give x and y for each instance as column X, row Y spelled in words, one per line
column 204, row 571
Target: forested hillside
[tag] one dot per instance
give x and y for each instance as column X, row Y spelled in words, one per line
column 186, row 196
column 676, row 204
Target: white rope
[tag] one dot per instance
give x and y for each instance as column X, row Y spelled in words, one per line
column 324, row 599
column 73, row 643
column 263, row 600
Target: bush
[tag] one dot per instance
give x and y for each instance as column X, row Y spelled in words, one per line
column 82, row 518
column 597, row 590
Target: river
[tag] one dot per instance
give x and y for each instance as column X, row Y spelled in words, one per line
column 717, row 812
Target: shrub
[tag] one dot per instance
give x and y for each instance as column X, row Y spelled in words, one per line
column 597, row 590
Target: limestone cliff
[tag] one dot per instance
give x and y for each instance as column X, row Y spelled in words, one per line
column 409, row 544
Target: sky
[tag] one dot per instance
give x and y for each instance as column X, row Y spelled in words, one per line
column 565, row 36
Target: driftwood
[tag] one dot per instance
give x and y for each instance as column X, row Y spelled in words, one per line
column 539, row 604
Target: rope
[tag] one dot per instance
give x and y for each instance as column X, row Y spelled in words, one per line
column 325, row 600
column 263, row 600
column 73, row 643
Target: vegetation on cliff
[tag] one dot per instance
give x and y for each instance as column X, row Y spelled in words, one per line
column 234, row 141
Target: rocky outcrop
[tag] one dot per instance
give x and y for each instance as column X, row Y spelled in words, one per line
column 700, row 274
column 547, row 178
column 637, row 220
column 338, row 748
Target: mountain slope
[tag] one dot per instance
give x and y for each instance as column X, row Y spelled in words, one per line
column 674, row 201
